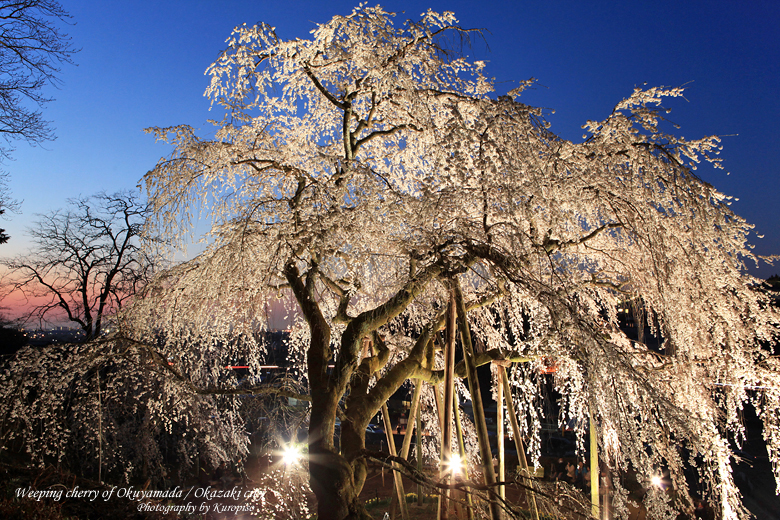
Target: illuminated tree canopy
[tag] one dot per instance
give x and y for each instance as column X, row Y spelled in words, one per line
column 370, row 167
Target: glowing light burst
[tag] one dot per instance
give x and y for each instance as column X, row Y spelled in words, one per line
column 291, row 455
column 455, row 464
column 656, row 481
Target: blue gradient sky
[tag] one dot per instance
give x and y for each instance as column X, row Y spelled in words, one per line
column 142, row 65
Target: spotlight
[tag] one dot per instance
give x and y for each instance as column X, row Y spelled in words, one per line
column 456, row 464
column 291, row 455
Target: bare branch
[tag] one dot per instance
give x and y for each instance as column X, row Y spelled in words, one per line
column 86, row 261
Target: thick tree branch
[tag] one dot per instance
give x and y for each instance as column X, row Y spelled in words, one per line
column 325, row 92
column 319, row 350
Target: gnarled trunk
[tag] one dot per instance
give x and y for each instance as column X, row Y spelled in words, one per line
column 337, row 480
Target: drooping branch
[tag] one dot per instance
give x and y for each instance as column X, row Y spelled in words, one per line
column 253, row 390
column 384, row 133
column 180, row 377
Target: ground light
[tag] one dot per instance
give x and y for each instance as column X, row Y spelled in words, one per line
column 291, row 454
column 455, row 465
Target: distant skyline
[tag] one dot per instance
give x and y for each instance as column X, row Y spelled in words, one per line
column 142, row 64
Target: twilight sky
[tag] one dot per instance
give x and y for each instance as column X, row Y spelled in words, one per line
column 142, row 65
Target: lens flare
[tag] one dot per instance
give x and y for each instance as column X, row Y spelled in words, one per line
column 455, row 464
column 291, row 455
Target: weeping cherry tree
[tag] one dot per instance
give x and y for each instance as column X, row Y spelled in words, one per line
column 370, row 169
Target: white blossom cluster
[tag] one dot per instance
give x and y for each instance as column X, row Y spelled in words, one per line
column 369, row 169
column 369, row 155
column 104, row 409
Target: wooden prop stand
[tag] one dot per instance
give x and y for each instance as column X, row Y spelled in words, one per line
column 439, row 405
column 429, row 357
column 419, row 457
column 437, row 387
column 397, row 479
column 414, row 418
column 414, row 411
column 595, row 474
column 440, row 415
column 462, row 451
column 476, row 396
column 399, row 485
column 445, row 468
column 500, row 431
column 510, row 411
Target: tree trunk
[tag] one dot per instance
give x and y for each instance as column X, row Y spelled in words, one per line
column 332, row 484
column 335, row 481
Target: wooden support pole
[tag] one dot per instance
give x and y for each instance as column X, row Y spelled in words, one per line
column 445, row 469
column 595, row 474
column 439, row 405
column 476, row 396
column 510, row 411
column 397, row 479
column 413, row 414
column 414, row 411
column 419, row 456
column 500, row 431
column 462, row 451
column 440, row 415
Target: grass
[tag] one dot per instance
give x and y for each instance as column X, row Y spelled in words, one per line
column 411, row 498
